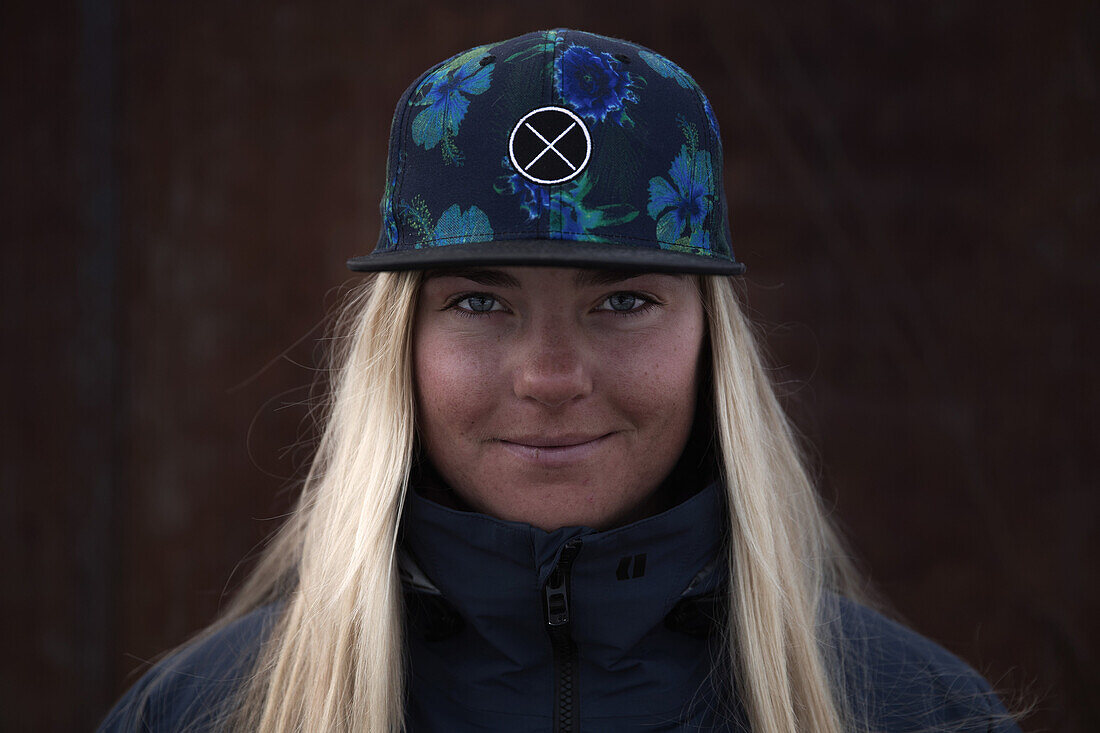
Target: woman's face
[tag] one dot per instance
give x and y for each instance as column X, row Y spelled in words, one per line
column 556, row 396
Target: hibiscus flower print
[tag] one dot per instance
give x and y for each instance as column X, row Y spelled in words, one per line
column 446, row 93
column 455, row 226
column 458, row 227
column 681, row 202
column 595, row 85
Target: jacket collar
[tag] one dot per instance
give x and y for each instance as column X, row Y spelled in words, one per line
column 623, row 584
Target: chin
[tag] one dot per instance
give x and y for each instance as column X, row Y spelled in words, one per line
column 550, row 504
column 583, row 513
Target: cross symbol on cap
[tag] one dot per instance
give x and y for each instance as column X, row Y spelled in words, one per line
column 549, row 130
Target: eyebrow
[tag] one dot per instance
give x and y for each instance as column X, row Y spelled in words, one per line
column 501, row 279
column 492, row 278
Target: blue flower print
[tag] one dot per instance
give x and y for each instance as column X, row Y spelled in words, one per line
column 670, row 70
column 570, row 216
column 455, row 226
column 535, row 198
column 445, row 93
column 595, row 85
column 458, row 227
column 683, row 200
column 564, row 207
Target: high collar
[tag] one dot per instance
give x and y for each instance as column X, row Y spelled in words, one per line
column 623, row 583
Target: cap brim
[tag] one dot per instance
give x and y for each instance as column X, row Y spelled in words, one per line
column 547, row 253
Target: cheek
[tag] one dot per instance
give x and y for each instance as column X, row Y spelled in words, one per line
column 453, row 384
column 657, row 377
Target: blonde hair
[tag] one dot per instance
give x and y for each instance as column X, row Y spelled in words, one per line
column 785, row 559
column 334, row 658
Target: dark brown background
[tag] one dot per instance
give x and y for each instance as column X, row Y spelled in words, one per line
column 913, row 185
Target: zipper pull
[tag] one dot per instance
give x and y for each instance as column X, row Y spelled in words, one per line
column 556, row 591
column 557, row 600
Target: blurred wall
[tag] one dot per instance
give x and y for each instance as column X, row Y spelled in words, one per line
column 914, row 187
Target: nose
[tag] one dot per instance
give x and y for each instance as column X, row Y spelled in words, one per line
column 551, row 366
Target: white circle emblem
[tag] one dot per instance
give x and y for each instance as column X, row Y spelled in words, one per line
column 549, row 145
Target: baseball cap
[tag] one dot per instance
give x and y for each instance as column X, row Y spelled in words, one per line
column 557, row 147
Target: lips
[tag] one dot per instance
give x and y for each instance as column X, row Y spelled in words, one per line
column 557, row 451
column 561, row 441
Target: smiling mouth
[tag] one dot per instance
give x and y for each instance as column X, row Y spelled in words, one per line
column 549, row 443
column 555, row 452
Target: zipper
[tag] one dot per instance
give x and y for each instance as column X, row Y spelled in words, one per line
column 557, row 608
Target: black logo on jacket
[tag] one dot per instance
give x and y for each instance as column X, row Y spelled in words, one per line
column 631, row 567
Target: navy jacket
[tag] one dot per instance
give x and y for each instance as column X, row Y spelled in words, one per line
column 515, row 629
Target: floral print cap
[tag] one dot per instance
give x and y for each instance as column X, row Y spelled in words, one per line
column 555, row 148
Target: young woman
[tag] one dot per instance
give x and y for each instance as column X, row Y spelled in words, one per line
column 555, row 491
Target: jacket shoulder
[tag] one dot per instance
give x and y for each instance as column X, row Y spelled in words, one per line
column 189, row 689
column 898, row 679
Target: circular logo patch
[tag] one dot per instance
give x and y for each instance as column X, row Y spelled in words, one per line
column 549, row 145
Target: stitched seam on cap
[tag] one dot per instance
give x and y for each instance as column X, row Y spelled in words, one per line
column 547, row 85
column 561, row 101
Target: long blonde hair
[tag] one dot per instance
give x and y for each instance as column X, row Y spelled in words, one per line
column 334, row 658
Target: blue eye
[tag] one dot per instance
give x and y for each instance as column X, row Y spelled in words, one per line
column 626, row 303
column 622, row 301
column 480, row 303
column 471, row 305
